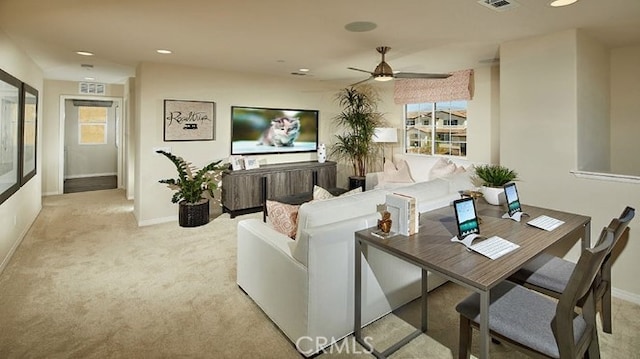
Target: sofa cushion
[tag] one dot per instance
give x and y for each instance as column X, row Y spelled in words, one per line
column 283, row 217
column 396, row 173
column 443, row 167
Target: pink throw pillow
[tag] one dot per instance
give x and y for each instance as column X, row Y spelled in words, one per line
column 283, row 217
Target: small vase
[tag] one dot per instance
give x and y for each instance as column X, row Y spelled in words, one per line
column 322, row 153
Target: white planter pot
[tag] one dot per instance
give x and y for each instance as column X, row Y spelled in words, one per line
column 494, row 195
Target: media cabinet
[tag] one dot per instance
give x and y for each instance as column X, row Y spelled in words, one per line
column 244, row 191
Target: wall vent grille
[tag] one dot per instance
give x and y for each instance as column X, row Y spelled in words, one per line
column 499, row 5
column 92, row 88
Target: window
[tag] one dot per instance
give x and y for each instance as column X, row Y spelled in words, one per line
column 92, row 125
column 438, row 128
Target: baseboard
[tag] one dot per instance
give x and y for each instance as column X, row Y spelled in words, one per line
column 51, row 194
column 92, row 175
column 628, row 296
column 17, row 243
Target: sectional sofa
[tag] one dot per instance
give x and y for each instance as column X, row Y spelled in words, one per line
column 305, row 284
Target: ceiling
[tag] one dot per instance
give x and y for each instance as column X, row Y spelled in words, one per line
column 278, row 37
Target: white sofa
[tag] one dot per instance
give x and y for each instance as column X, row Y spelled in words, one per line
column 420, row 169
column 306, row 286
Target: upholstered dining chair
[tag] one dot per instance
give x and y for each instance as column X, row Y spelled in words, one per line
column 538, row 325
column 549, row 274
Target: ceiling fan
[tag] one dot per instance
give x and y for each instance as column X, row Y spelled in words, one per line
column 383, row 71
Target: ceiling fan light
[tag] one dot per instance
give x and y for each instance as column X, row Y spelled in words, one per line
column 383, row 77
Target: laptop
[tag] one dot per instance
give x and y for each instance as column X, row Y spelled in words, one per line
column 466, row 217
column 513, row 202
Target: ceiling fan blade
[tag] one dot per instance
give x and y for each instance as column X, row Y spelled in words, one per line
column 414, row 75
column 359, row 82
column 353, row 68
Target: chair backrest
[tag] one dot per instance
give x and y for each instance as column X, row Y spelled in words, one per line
column 580, row 286
column 618, row 225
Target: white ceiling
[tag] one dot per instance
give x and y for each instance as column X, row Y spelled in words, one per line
column 278, row 37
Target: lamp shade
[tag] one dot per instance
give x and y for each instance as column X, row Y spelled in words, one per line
column 385, row 135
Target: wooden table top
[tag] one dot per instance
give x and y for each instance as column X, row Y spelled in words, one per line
column 431, row 247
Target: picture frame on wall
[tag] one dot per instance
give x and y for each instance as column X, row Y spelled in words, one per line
column 188, row 120
column 10, row 110
column 29, row 131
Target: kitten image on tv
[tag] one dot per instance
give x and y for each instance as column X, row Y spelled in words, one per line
column 282, row 133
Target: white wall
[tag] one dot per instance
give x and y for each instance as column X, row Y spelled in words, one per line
column 592, row 86
column 625, row 110
column 20, row 210
column 156, row 82
column 539, row 76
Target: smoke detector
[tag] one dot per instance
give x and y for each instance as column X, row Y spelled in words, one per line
column 499, row 5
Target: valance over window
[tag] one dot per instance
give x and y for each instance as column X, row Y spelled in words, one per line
column 455, row 87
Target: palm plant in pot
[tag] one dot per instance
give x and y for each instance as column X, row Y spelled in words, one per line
column 493, row 177
column 358, row 119
column 193, row 189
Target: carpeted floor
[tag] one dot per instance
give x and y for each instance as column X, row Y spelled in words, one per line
column 86, row 282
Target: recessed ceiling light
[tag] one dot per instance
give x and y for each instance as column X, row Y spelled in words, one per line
column 162, row 51
column 84, row 53
column 559, row 3
column 360, row 26
column 89, row 78
column 303, row 70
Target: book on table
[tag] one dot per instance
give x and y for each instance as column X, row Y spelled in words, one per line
column 404, row 213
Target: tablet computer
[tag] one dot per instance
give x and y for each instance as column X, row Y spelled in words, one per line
column 513, row 202
column 466, row 217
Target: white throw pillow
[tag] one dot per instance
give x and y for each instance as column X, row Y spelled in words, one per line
column 396, row 173
column 320, row 193
column 442, row 168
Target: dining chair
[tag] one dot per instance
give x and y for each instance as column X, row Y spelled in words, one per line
column 536, row 324
column 549, row 274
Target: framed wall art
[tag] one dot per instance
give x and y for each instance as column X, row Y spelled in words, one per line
column 10, row 88
column 29, row 130
column 189, row 120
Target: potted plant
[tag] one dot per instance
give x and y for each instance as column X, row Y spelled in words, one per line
column 493, row 177
column 193, row 189
column 358, row 119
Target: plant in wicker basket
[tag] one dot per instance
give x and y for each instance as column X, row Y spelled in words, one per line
column 193, row 188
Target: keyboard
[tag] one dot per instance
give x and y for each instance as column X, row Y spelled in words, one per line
column 545, row 222
column 494, row 247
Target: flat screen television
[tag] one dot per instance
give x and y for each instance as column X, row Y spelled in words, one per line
column 259, row 130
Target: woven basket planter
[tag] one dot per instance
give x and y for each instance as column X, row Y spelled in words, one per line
column 193, row 214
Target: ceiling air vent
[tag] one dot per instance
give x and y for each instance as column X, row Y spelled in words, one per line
column 92, row 88
column 499, row 5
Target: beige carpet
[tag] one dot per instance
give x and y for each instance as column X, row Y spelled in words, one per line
column 86, row 282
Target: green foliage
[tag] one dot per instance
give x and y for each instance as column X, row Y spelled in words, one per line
column 191, row 185
column 359, row 118
column 495, row 175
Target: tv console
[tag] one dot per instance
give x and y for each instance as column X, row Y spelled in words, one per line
column 244, row 191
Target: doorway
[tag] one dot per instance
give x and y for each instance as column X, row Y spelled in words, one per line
column 91, row 138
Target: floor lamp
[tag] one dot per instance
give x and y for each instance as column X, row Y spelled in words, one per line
column 385, row 135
